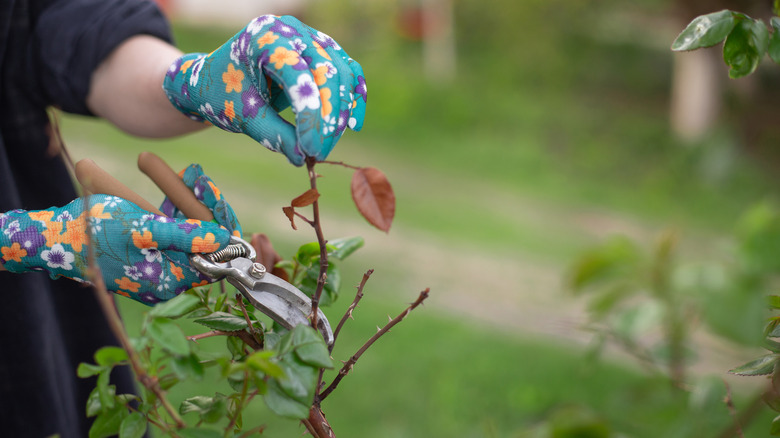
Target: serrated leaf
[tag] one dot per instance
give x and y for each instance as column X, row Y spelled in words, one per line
column 705, row 31
column 281, row 404
column 88, row 370
column 345, row 246
column 133, row 426
column 176, row 307
column 310, row 347
column 94, row 405
column 307, row 198
column 373, row 195
column 168, row 336
column 209, row 409
column 223, row 321
column 110, row 356
column 299, row 380
column 744, row 47
column 762, row 366
column 199, row 432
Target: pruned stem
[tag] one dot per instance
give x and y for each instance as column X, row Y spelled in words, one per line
column 352, row 360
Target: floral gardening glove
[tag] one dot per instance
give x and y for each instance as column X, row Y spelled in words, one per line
column 141, row 255
column 273, row 63
column 207, row 193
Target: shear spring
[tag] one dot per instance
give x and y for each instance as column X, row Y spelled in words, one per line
column 230, row 252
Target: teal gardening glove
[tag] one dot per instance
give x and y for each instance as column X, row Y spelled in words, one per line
column 271, row 64
column 141, row 255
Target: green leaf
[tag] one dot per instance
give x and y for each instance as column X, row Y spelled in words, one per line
column 133, row 426
column 774, row 429
column 187, row 366
column 745, row 46
column 281, row 404
column 310, row 251
column 169, row 336
column 105, row 391
column 110, row 356
column 310, row 347
column 94, row 405
column 618, row 258
column 299, row 381
column 88, row 370
column 261, row 361
column 176, row 307
column 223, row 321
column 774, row 40
column 345, row 246
column 107, row 423
column 773, row 301
column 762, row 366
column 705, row 31
column 199, row 432
column 210, row 409
column 235, row 346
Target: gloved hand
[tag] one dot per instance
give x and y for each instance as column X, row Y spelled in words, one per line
column 209, row 194
column 141, row 255
column 274, row 62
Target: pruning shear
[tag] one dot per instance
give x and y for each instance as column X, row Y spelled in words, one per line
column 275, row 297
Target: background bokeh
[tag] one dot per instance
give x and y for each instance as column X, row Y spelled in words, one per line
column 517, row 136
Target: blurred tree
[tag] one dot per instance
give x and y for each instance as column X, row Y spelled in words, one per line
column 698, row 85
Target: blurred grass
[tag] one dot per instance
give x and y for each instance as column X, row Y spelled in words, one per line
column 544, row 120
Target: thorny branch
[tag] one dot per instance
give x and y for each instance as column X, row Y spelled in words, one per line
column 352, row 360
column 351, row 308
column 317, row 224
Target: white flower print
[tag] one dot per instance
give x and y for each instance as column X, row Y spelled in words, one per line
column 12, row 228
column 132, row 272
column 196, row 71
column 152, row 254
column 257, row 24
column 58, row 258
column 305, row 94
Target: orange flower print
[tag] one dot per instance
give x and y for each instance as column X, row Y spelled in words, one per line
column 320, row 74
column 53, row 233
column 43, row 216
column 128, row 284
column 326, row 105
column 177, row 272
column 186, row 65
column 217, row 192
column 230, row 111
column 202, row 283
column 204, row 245
column 282, row 57
column 76, row 234
column 268, row 38
column 14, row 252
column 97, row 212
column 144, row 240
column 321, row 51
column 232, row 79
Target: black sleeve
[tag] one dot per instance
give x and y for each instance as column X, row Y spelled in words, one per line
column 72, row 37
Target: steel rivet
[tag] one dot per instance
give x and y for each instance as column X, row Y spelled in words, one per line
column 257, row 270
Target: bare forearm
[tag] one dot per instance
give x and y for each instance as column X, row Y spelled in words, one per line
column 126, row 89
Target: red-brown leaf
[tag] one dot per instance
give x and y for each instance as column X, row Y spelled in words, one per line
column 307, row 198
column 267, row 255
column 374, row 197
column 290, row 213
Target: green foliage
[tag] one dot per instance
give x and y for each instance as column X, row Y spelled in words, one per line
column 280, row 366
column 745, row 40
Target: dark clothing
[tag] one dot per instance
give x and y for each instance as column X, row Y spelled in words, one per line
column 48, row 51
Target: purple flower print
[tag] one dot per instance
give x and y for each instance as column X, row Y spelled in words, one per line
column 252, row 102
column 30, row 239
column 187, row 227
column 241, row 48
column 298, row 45
column 12, row 229
column 148, row 297
column 342, row 122
column 149, row 271
column 173, row 69
column 57, row 257
column 284, row 30
column 3, row 219
column 361, row 88
column 168, row 208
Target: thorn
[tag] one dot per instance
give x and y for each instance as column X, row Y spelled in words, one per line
column 389, row 319
column 378, row 329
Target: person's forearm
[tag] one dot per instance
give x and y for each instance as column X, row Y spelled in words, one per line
column 126, row 89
